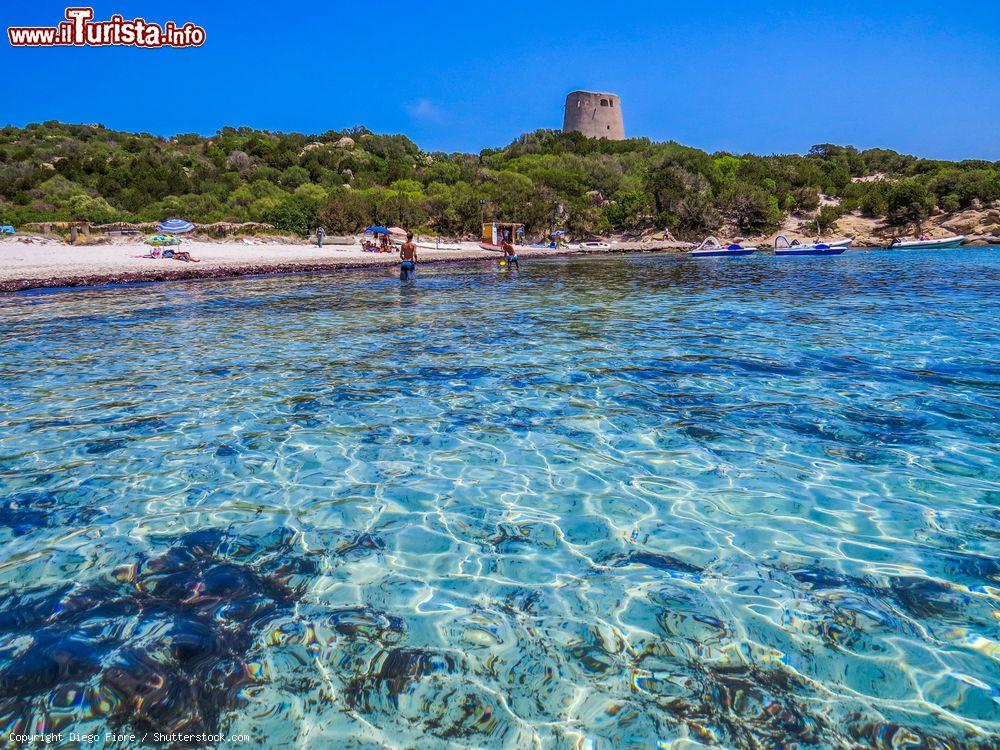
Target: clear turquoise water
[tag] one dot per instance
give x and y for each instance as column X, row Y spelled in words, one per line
column 621, row 502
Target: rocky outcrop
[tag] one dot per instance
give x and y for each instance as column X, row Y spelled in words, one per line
column 981, row 226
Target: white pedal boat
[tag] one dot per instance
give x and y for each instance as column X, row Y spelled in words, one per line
column 712, row 248
column 783, row 247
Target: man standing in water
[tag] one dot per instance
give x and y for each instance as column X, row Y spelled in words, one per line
column 510, row 256
column 408, row 259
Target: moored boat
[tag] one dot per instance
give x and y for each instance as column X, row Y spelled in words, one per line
column 712, row 248
column 927, row 243
column 783, row 247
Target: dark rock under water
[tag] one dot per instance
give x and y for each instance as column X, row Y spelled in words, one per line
column 159, row 646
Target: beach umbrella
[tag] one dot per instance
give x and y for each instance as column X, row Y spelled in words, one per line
column 397, row 230
column 558, row 233
column 159, row 240
column 377, row 229
column 174, row 226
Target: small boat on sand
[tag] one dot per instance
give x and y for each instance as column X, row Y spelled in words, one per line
column 783, row 247
column 712, row 248
column 927, row 243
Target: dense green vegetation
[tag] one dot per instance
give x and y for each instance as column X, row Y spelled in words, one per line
column 346, row 180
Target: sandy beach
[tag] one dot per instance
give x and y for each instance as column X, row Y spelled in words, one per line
column 34, row 262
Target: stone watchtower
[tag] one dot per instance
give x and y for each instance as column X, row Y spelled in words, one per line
column 594, row 114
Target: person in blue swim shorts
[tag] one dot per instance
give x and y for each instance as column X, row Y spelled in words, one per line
column 408, row 259
column 510, row 256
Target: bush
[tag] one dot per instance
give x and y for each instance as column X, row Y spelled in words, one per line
column 908, row 203
column 86, row 208
column 346, row 211
column 750, row 209
column 293, row 214
column 242, row 173
column 696, row 216
column 950, row 203
column 805, row 199
column 293, row 177
column 628, row 212
column 873, row 203
column 826, row 219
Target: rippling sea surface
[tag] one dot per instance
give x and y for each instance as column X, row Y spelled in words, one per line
column 620, row 502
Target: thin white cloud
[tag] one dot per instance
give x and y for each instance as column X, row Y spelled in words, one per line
column 425, row 111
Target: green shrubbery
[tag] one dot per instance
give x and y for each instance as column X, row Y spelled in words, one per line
column 544, row 179
column 908, row 202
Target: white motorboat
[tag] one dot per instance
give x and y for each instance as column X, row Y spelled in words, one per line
column 927, row 243
column 783, row 247
column 712, row 248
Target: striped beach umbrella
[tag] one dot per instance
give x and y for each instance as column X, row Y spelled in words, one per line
column 174, row 226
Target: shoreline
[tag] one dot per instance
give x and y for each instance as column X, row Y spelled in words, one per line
column 66, row 272
column 267, row 261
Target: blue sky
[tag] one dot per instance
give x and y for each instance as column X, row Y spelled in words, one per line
column 920, row 77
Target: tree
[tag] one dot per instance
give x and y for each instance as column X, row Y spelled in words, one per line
column 874, row 200
column 826, row 219
column 293, row 214
column 294, row 176
column 542, row 177
column 628, row 211
column 670, row 183
column 908, row 202
column 87, row 208
column 696, row 216
column 805, row 198
column 750, row 209
column 241, row 163
column 347, row 211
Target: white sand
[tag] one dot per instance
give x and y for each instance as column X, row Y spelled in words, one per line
column 39, row 259
column 46, row 262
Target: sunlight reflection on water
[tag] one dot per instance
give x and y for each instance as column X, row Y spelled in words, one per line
column 601, row 503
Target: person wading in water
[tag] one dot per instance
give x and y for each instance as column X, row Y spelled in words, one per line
column 408, row 259
column 510, row 256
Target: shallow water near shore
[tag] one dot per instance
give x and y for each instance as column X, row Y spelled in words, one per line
column 611, row 502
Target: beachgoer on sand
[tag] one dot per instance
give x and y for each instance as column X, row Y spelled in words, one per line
column 320, row 234
column 510, row 256
column 183, row 255
column 408, row 259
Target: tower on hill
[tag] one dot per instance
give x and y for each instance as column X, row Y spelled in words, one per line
column 595, row 114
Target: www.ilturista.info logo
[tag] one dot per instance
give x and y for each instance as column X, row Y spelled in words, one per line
column 81, row 30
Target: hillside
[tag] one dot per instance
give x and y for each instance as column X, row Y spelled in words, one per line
column 346, row 180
